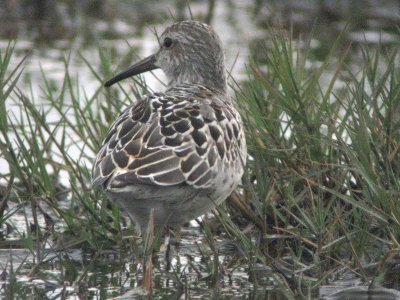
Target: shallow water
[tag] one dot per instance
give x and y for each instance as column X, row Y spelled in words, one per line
column 49, row 35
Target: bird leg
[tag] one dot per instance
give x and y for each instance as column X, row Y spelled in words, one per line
column 148, row 256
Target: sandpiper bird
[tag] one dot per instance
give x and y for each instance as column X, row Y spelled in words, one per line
column 181, row 152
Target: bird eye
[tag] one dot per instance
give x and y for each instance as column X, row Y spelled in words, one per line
column 167, row 42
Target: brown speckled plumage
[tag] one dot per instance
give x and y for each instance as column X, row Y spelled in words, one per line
column 180, row 152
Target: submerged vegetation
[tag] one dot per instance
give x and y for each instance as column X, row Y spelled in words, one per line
column 319, row 200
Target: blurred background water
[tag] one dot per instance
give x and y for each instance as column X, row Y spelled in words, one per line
column 47, row 30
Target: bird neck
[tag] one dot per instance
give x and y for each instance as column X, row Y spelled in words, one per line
column 195, row 74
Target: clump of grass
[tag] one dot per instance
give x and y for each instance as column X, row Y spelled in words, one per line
column 323, row 178
column 40, row 149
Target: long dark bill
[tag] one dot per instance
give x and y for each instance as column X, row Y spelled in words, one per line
column 146, row 64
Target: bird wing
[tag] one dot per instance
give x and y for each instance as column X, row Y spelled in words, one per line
column 165, row 141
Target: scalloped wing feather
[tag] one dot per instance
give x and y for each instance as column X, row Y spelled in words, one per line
column 169, row 139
